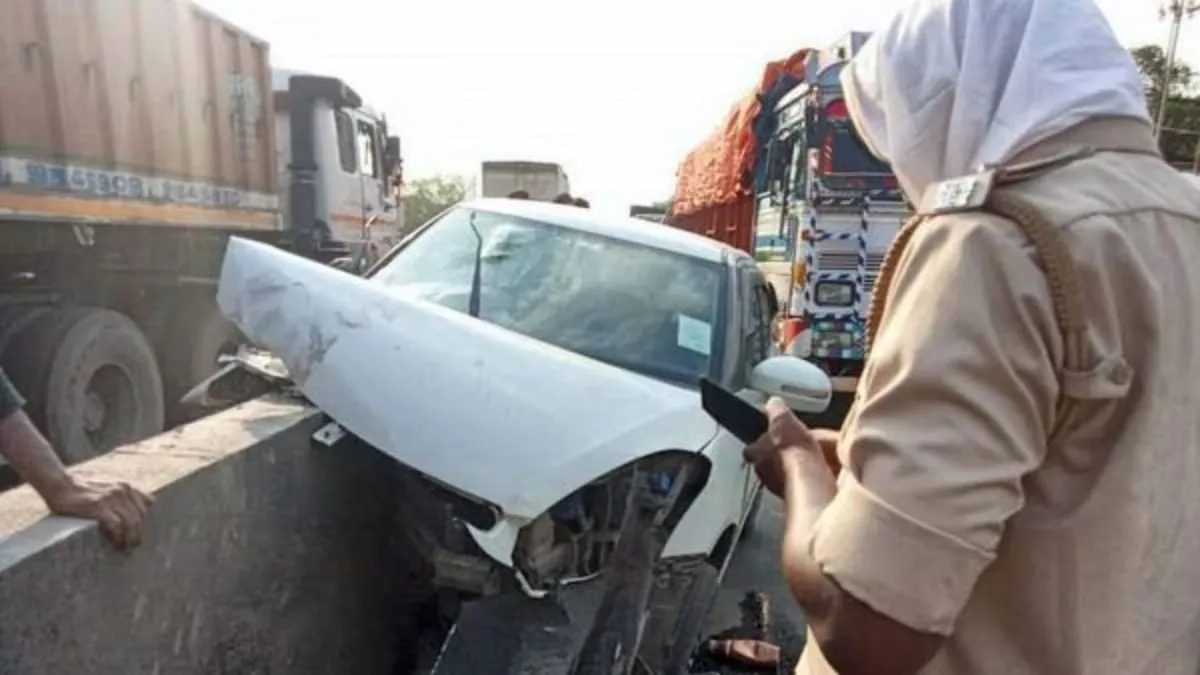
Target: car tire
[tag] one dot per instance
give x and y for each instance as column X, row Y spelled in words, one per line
column 751, row 521
column 694, row 608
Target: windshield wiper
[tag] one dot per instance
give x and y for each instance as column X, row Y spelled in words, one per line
column 477, row 278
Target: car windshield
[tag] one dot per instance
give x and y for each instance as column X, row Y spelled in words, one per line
column 634, row 306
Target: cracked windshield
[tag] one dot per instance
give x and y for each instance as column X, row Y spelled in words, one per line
column 580, row 291
column 624, row 338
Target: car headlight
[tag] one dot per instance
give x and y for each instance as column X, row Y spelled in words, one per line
column 835, row 293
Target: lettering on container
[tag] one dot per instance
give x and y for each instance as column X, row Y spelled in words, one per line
column 120, row 185
column 246, row 106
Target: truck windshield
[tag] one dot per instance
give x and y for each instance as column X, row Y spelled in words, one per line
column 849, row 154
column 630, row 305
column 846, row 162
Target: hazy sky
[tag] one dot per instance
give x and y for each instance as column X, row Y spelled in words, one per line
column 617, row 91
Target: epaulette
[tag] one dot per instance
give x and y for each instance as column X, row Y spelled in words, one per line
column 965, row 193
column 970, row 193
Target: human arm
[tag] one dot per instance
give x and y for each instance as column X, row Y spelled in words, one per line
column 952, row 412
column 119, row 509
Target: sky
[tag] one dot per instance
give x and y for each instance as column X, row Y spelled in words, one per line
column 617, row 92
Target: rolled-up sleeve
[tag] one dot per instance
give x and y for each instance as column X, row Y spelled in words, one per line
column 953, row 410
column 10, row 399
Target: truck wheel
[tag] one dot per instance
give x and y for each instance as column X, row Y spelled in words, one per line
column 31, row 338
column 102, row 384
column 692, row 622
column 194, row 343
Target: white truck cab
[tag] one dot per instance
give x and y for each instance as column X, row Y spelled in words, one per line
column 356, row 196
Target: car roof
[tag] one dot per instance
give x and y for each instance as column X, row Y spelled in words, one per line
column 625, row 228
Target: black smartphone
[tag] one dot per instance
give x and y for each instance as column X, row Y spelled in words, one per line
column 733, row 413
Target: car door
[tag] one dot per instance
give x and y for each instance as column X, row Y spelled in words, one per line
column 756, row 336
column 750, row 344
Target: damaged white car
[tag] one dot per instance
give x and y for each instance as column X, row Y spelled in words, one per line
column 536, row 367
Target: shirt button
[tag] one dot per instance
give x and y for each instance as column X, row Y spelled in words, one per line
column 1121, row 373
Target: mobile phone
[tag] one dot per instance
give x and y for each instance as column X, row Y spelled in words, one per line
column 736, row 415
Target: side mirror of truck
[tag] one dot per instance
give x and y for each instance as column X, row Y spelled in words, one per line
column 802, row 385
column 391, row 154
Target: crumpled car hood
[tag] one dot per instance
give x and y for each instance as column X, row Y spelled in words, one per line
column 491, row 413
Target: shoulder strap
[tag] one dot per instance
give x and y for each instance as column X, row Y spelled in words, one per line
column 1066, row 285
column 1082, row 376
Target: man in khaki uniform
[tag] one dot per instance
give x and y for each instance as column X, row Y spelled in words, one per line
column 1021, row 481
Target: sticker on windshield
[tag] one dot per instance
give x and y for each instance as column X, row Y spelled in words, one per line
column 693, row 334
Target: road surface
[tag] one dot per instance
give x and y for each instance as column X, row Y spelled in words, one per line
column 755, row 567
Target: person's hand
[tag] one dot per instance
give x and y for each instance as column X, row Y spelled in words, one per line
column 788, row 441
column 118, row 508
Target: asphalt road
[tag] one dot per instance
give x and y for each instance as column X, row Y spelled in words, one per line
column 755, row 568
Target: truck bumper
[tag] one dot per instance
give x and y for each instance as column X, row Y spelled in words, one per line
column 844, row 385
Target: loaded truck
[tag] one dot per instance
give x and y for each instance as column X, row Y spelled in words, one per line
column 654, row 214
column 543, row 181
column 135, row 139
column 788, row 179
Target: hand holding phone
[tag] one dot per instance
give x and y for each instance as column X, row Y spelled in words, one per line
column 736, row 415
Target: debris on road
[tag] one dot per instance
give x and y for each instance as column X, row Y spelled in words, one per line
column 758, row 654
column 755, row 645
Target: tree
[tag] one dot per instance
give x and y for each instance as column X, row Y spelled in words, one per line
column 1181, row 125
column 1152, row 62
column 424, row 198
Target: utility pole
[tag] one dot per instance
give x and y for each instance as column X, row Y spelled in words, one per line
column 1177, row 10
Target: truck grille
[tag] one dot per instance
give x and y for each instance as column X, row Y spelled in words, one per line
column 847, row 261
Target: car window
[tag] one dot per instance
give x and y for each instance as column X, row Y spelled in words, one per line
column 759, row 315
column 627, row 304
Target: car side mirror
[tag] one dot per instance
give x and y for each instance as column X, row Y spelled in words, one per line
column 802, row 385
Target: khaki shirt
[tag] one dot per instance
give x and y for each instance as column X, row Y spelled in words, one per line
column 953, row 516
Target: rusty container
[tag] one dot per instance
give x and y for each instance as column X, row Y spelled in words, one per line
column 134, row 111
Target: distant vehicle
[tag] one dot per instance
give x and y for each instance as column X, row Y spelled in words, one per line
column 541, row 181
column 652, row 213
column 808, row 200
column 536, row 381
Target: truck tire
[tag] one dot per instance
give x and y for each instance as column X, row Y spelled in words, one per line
column 102, row 384
column 15, row 319
column 198, row 336
column 31, row 338
column 692, row 623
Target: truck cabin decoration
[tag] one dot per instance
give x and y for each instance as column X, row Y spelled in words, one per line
column 830, row 209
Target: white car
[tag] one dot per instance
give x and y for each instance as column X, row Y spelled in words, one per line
column 537, row 367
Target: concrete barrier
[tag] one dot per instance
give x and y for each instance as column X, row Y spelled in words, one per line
column 264, row 554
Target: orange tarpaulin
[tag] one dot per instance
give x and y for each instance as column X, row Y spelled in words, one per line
column 715, row 172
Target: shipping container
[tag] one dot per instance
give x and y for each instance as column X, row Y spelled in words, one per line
column 729, row 223
column 136, row 137
column 140, row 111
